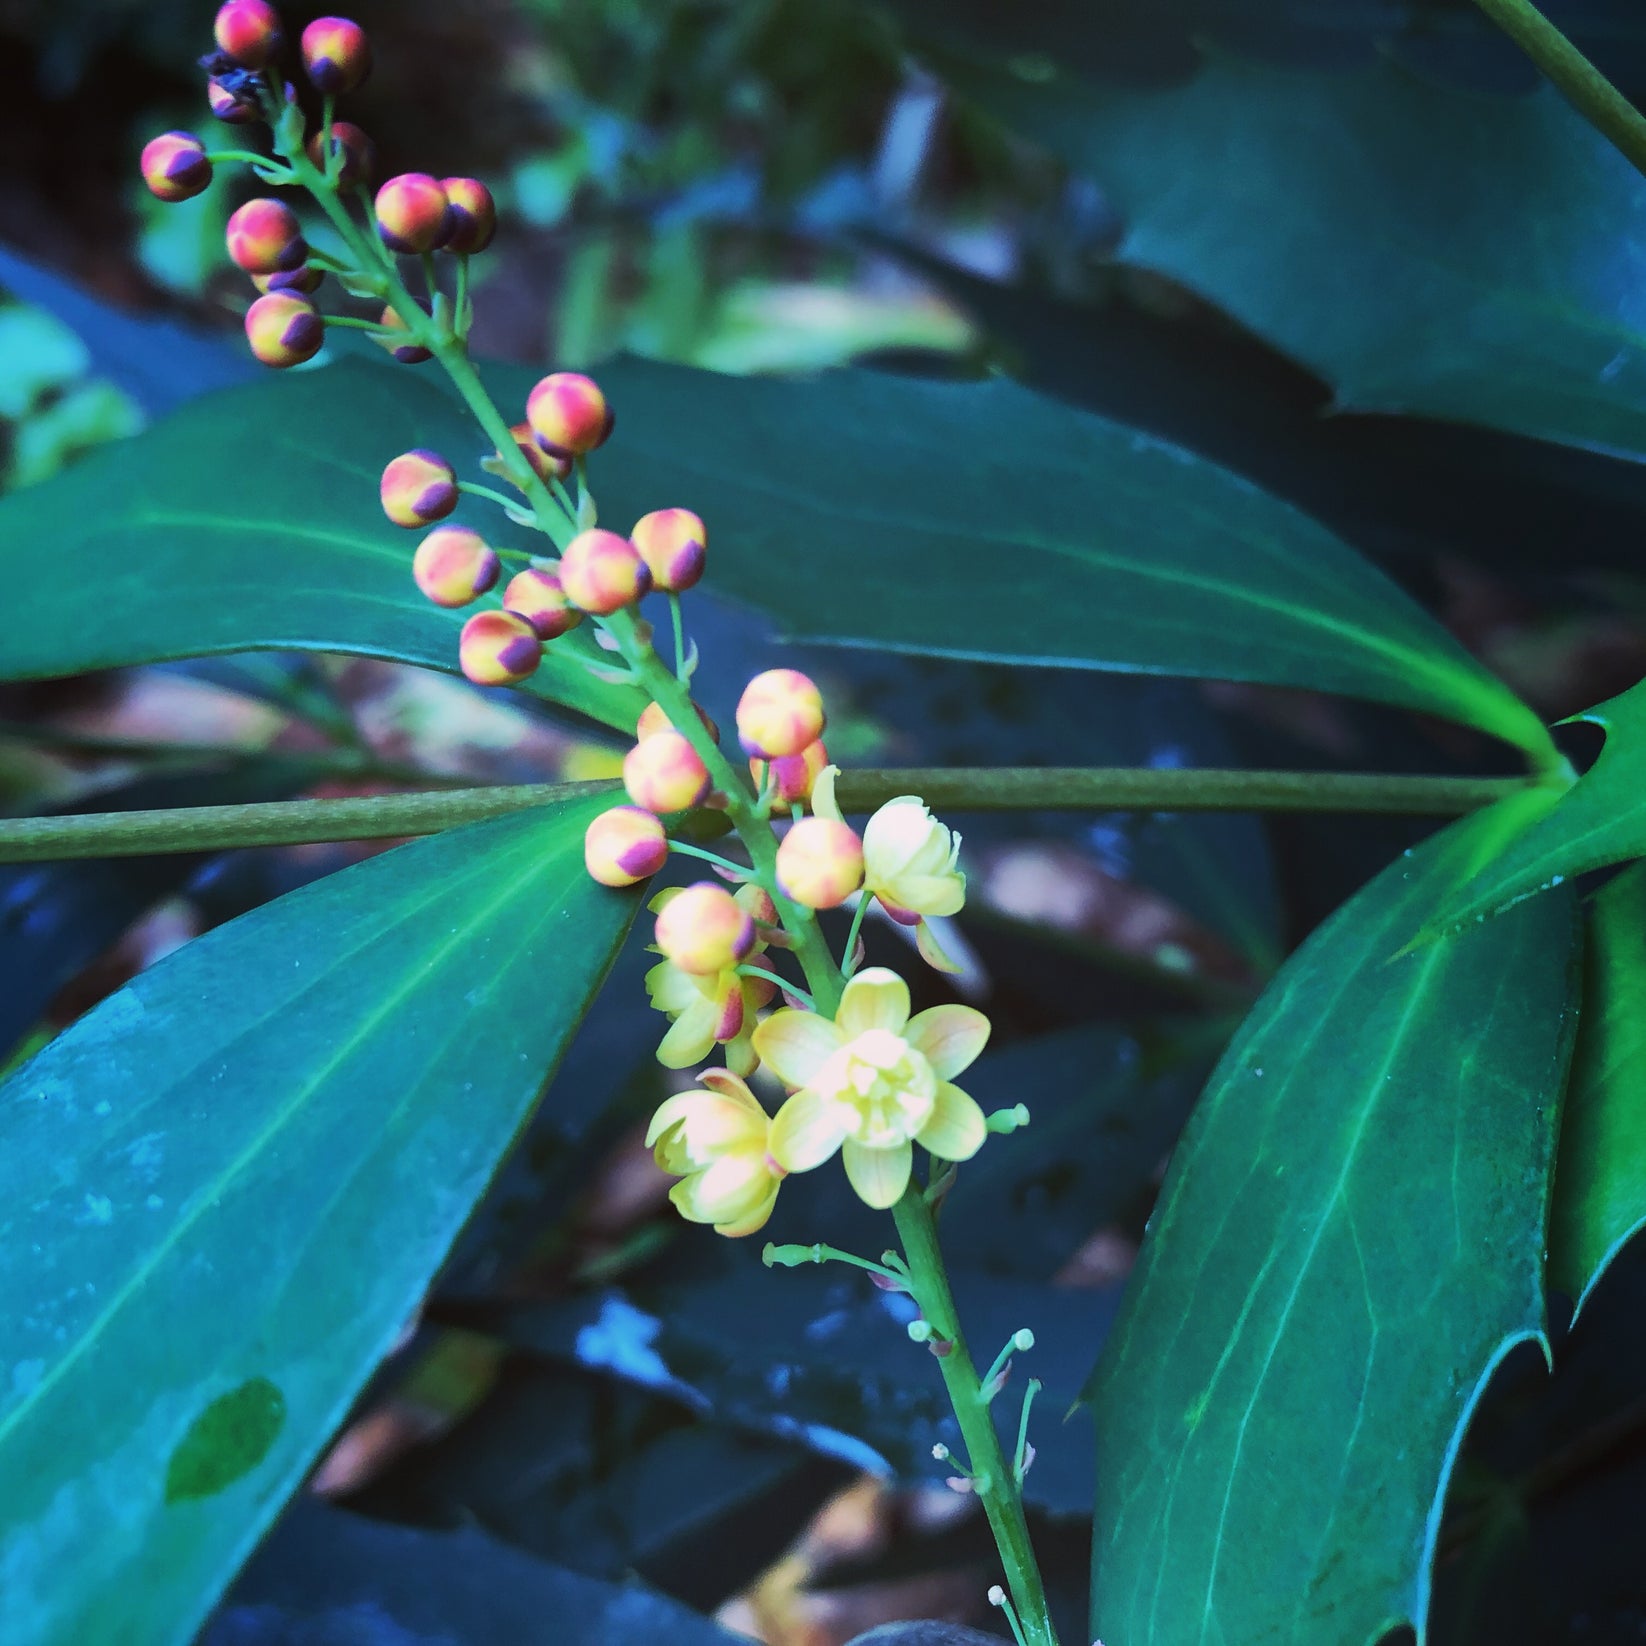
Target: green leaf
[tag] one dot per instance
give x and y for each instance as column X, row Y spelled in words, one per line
column 1494, row 243
column 225, row 1190
column 1600, row 1187
column 1349, row 1241
column 250, row 520
column 979, row 520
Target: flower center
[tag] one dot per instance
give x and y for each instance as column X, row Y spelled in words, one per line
column 885, row 1082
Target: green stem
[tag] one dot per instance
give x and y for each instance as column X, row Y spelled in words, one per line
column 1580, row 82
column 848, row 958
column 995, row 1482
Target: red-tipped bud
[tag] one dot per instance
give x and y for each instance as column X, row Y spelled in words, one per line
column 336, row 53
column 413, row 214
column 780, row 712
column 624, row 845
column 407, row 353
column 248, row 31
column 568, row 414
column 791, row 775
column 284, row 329
column 603, row 572
column 418, row 488
column 264, row 237
column 474, row 214
column 704, row 930
column 498, row 649
column 232, row 107
column 674, row 546
column 305, row 279
column 653, row 720
column 175, row 166
column 820, row 862
column 357, row 154
column 454, row 565
column 535, row 594
column 665, row 774
column 546, row 468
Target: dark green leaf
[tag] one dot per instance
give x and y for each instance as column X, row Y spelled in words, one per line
column 1493, row 242
column 227, row 1187
column 979, row 520
column 1350, row 1239
column 250, row 520
column 1600, row 1188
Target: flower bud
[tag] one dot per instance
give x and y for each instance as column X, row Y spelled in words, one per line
column 358, row 152
column 264, row 237
column 454, row 565
column 535, row 594
column 418, row 488
column 653, row 720
column 498, row 649
column 248, row 31
column 820, row 862
column 791, row 775
column 568, row 414
column 232, row 106
column 413, row 214
column 756, row 901
column 407, row 353
column 175, row 166
column 624, row 845
column 780, row 713
column 474, row 214
column 284, row 329
column 603, row 572
column 337, row 54
column 702, row 930
column 673, row 544
column 544, row 466
column 665, row 774
column 305, row 279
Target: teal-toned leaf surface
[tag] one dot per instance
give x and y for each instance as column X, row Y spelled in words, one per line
column 1601, row 819
column 1600, row 1187
column 1350, row 1239
column 1496, row 245
column 247, row 521
column 224, row 1190
column 980, row 520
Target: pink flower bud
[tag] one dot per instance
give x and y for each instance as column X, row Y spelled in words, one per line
column 418, row 488
column 175, row 166
column 498, row 649
column 284, row 329
column 413, row 214
column 233, row 108
column 305, row 280
column 653, row 720
column 535, row 594
column 603, row 572
column 248, row 31
column 359, row 153
column 702, row 930
column 474, row 215
column 568, row 414
column 454, row 565
column 336, row 53
column 264, row 237
column 545, row 467
column 780, row 713
column 791, row 775
column 665, row 774
column 820, row 863
column 673, row 543
column 407, row 353
column 624, row 845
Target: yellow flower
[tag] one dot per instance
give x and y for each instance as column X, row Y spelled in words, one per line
column 717, row 1009
column 715, row 1142
column 872, row 1083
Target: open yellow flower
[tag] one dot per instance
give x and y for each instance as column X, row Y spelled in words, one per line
column 872, row 1083
column 716, row 1142
column 706, row 1011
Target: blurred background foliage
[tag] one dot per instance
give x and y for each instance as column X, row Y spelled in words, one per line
column 603, row 1421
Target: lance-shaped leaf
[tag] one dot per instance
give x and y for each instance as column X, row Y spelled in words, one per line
column 223, row 1192
column 979, row 520
column 1495, row 243
column 248, row 521
column 1350, row 1239
column 1600, row 1188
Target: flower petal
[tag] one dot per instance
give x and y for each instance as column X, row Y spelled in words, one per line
column 795, row 1045
column 670, row 989
column 807, row 1130
column 933, row 952
column 731, row 1189
column 931, row 894
column 711, row 1123
column 751, row 1221
column 876, row 998
column 692, row 1037
column 824, row 803
column 949, row 1037
column 956, row 1128
column 879, row 1175
column 895, row 833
